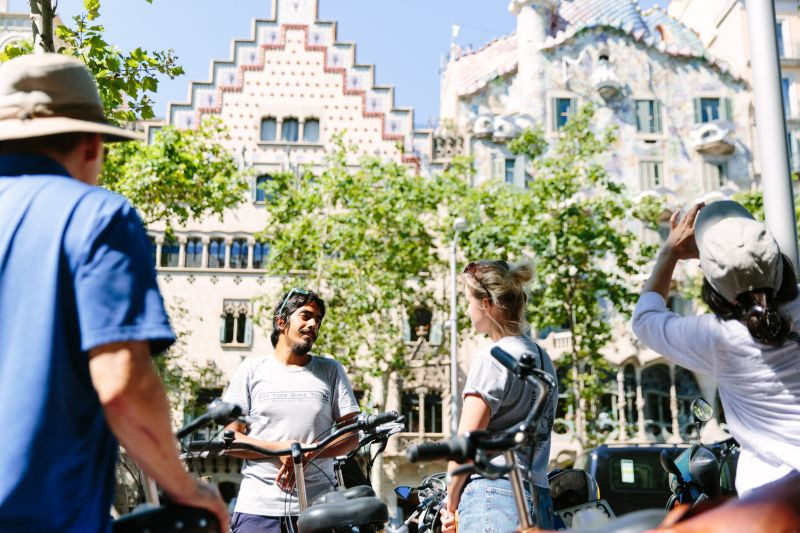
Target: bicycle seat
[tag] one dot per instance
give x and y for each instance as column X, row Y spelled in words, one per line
column 360, row 491
column 344, row 513
column 635, row 522
column 170, row 518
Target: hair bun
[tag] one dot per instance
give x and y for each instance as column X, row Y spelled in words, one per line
column 521, row 273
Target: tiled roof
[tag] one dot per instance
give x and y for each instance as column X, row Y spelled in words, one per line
column 654, row 28
column 476, row 69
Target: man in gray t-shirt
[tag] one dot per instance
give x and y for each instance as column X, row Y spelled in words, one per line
column 296, row 397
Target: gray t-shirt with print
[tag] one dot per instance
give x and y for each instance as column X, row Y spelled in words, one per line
column 510, row 399
column 289, row 403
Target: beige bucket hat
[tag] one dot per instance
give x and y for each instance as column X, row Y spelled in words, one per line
column 737, row 252
column 48, row 94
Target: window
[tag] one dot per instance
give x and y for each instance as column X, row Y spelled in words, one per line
column 311, row 131
column 269, row 129
column 711, row 109
column 779, row 35
column 290, row 130
column 236, row 326
column 433, row 413
column 562, row 109
column 715, row 174
column 260, row 251
column 656, row 383
column 169, row 253
column 419, row 324
column 648, row 116
column 239, row 253
column 194, row 253
column 261, row 182
column 787, row 108
column 509, row 170
column 650, row 174
column 216, row 253
column 410, row 409
column 153, row 250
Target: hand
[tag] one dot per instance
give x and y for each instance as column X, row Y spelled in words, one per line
column 205, row 496
column 285, row 478
column 681, row 242
column 448, row 521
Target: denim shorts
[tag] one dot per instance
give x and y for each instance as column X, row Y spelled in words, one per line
column 488, row 505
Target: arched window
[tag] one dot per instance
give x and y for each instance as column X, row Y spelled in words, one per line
column 687, row 390
column 216, row 253
column 153, row 250
column 230, row 327
column 655, row 389
column 269, row 129
column 170, row 251
column 420, row 325
column 260, row 252
column 239, row 253
column 194, row 253
column 410, row 409
column 433, row 412
column 311, row 130
column 290, row 130
column 236, row 326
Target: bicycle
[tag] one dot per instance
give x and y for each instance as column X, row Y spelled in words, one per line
column 352, row 510
column 152, row 515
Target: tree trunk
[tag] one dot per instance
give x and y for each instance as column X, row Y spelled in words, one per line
column 42, row 14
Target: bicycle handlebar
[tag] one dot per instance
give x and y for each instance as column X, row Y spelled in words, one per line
column 218, row 411
column 363, row 422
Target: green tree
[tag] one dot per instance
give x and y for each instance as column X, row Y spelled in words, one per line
column 183, row 174
column 365, row 237
column 574, row 221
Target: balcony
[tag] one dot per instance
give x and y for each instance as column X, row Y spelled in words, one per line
column 713, row 138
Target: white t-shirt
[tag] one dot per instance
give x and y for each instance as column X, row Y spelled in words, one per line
column 759, row 385
column 292, row 403
column 510, row 399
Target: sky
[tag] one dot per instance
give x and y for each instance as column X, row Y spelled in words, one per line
column 405, row 39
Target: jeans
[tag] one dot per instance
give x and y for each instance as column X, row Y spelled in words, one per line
column 250, row 523
column 488, row 505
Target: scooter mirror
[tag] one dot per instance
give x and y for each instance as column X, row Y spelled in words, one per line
column 669, row 465
column 403, row 492
column 702, row 410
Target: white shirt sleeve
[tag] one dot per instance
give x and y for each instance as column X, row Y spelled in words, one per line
column 238, row 391
column 690, row 342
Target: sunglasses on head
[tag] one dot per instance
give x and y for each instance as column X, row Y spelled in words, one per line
column 295, row 290
column 473, row 266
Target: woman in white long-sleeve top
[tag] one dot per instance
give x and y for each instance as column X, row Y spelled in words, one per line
column 750, row 344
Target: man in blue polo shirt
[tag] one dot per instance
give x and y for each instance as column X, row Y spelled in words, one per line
column 80, row 313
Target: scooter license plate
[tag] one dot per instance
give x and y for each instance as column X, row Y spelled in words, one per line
column 587, row 514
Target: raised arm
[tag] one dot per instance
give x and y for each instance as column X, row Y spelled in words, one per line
column 680, row 245
column 137, row 411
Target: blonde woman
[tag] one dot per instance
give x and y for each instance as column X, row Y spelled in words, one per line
column 494, row 399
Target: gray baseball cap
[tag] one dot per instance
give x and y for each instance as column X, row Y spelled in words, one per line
column 48, row 94
column 737, row 252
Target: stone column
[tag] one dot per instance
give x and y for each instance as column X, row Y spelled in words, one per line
column 182, row 251
column 205, row 239
column 421, row 392
column 228, row 241
column 159, row 246
column 622, row 402
column 301, row 127
column 640, row 433
column 251, row 242
column 673, row 407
